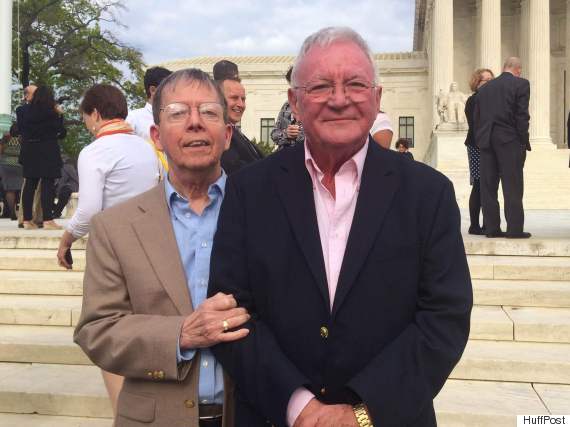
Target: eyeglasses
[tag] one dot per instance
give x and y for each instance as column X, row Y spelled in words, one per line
column 178, row 112
column 356, row 90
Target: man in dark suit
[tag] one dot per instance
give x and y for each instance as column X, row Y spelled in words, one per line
column 501, row 132
column 242, row 151
column 349, row 258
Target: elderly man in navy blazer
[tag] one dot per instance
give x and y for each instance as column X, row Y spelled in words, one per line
column 349, row 258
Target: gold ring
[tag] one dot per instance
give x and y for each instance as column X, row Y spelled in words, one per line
column 225, row 325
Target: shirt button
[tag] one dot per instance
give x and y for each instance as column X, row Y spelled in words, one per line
column 324, row 332
column 187, row 215
column 204, row 244
column 205, row 364
column 189, row 403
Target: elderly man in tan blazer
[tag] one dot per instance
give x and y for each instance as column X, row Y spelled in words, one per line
column 145, row 315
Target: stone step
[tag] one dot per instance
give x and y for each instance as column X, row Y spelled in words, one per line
column 34, row 420
column 35, row 239
column 540, row 324
column 37, row 259
column 49, row 310
column 464, row 403
column 63, row 390
column 521, row 293
column 41, row 282
column 519, row 268
column 556, row 397
column 535, row 246
column 490, row 323
column 40, row 344
column 515, row 361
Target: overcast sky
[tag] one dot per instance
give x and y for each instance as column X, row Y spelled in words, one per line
column 165, row 30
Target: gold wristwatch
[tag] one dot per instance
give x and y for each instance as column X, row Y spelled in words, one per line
column 362, row 416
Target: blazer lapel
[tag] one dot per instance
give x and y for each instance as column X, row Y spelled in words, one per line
column 296, row 192
column 156, row 235
column 378, row 185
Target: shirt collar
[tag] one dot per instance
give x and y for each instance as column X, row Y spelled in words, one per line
column 216, row 189
column 357, row 160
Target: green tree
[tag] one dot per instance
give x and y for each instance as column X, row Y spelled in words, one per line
column 67, row 44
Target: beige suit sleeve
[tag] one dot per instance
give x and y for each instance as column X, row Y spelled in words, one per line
column 133, row 345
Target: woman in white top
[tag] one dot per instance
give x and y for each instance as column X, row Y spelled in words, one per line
column 382, row 131
column 116, row 166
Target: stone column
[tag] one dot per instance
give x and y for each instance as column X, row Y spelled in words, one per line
column 5, row 64
column 490, row 35
column 539, row 71
column 567, row 64
column 523, row 47
column 441, row 60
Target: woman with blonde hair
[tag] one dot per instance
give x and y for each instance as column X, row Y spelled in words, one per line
column 479, row 77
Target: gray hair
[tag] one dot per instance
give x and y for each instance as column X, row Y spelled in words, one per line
column 512, row 63
column 327, row 36
column 187, row 75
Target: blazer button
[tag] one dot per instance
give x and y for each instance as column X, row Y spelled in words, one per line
column 189, row 403
column 324, row 332
column 323, row 391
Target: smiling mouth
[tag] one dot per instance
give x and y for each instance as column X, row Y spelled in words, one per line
column 195, row 144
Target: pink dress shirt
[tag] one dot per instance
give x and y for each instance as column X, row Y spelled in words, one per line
column 334, row 218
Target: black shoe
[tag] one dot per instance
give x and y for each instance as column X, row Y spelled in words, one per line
column 476, row 230
column 496, row 234
column 521, row 235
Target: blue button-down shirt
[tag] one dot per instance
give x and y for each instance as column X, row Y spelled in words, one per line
column 194, row 236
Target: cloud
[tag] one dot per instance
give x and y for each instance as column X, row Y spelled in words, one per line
column 174, row 29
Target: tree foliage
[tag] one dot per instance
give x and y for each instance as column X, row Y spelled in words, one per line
column 67, row 45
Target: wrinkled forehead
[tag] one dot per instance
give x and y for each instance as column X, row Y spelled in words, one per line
column 186, row 90
column 338, row 60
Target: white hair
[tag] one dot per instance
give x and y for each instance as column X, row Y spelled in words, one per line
column 327, row 36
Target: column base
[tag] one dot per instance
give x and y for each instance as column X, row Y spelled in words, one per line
column 5, row 123
column 542, row 144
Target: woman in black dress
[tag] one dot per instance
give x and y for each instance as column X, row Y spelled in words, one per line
column 41, row 124
column 478, row 79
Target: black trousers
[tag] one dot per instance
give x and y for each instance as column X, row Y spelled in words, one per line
column 502, row 162
column 47, row 197
column 475, row 203
column 62, row 199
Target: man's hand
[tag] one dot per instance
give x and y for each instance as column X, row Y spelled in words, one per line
column 292, row 131
column 317, row 414
column 205, row 326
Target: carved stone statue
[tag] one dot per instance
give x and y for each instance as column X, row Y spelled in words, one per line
column 451, row 109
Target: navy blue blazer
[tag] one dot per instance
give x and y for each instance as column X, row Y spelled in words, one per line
column 400, row 317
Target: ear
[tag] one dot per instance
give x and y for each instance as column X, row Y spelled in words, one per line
column 155, row 136
column 293, row 100
column 378, row 95
column 228, row 136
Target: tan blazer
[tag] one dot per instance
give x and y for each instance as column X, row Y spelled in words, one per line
column 135, row 301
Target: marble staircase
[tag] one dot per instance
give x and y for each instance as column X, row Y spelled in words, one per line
column 516, row 362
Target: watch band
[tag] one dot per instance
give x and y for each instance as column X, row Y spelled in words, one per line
column 362, row 416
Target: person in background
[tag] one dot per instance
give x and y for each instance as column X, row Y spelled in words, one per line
column 10, row 170
column 66, row 186
column 115, row 167
column 225, row 70
column 501, row 123
column 242, row 151
column 287, row 131
column 382, row 131
column 40, row 124
column 403, row 146
column 141, row 118
column 478, row 79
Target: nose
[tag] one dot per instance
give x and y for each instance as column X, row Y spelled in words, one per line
column 194, row 121
column 338, row 98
